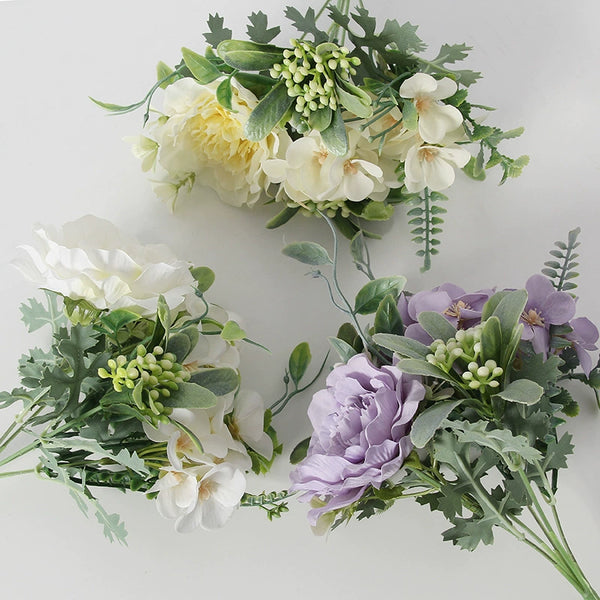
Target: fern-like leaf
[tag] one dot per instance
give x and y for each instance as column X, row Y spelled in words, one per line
column 560, row 270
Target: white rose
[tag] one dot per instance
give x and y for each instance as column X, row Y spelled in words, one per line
column 91, row 259
column 200, row 140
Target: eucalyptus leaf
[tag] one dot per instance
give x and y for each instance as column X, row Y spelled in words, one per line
column 308, row 253
column 370, row 295
column 438, row 327
column 403, row 346
column 200, row 67
column 320, row 119
column 190, row 395
column 522, row 391
column 299, row 360
column 429, row 421
column 220, row 380
column 268, row 113
column 180, row 345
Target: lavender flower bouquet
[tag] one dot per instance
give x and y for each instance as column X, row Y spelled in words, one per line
column 446, row 392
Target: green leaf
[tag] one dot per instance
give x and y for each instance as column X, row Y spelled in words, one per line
column 344, row 349
column 218, row 33
column 358, row 249
column 180, row 345
column 116, row 319
column 335, row 137
column 306, row 23
column 232, row 332
column 490, row 306
column 36, row 315
column 190, row 395
column 308, row 253
column 429, row 421
column 299, row 360
column 414, row 366
column 200, row 67
column 387, row 317
column 370, row 295
column 259, row 85
column 491, row 340
column 225, row 94
column 438, row 327
column 299, row 453
column 474, row 169
column 509, row 311
column 320, row 119
column 282, row 218
column 522, row 391
column 258, row 31
column 249, row 56
column 204, row 277
column 544, row 372
column 268, row 113
column 162, row 72
column 348, row 334
column 164, row 314
column 557, row 452
column 118, row 108
column 409, row 115
column 377, row 211
column 403, row 346
column 352, row 102
column 220, row 380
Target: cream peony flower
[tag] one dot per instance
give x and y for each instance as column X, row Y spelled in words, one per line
column 200, row 140
column 91, row 259
column 436, row 119
column 433, row 166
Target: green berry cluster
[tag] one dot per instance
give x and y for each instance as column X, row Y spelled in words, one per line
column 465, row 348
column 310, row 74
column 156, row 373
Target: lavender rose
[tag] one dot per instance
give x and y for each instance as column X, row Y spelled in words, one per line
column 361, row 425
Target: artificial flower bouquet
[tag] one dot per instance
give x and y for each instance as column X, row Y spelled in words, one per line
column 455, row 399
column 348, row 120
column 140, row 388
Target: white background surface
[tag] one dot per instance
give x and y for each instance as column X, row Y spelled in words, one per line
column 61, row 157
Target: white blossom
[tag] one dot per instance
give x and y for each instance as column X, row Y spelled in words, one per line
column 433, row 166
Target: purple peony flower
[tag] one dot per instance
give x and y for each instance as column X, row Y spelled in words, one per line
column 545, row 306
column 461, row 309
column 361, row 425
column 584, row 337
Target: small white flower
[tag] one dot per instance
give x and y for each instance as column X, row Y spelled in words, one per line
column 91, row 259
column 199, row 496
column 433, row 166
column 247, row 422
column 436, row 119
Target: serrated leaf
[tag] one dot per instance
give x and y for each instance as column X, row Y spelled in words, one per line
column 268, row 113
column 305, row 23
column 298, row 362
column 429, row 421
column 557, row 452
column 258, row 31
column 308, row 253
column 200, row 67
column 542, row 371
column 218, row 33
column 35, row 315
column 370, row 295
column 344, row 349
column 522, row 391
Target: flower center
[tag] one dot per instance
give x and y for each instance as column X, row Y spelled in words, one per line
column 428, row 153
column 533, row 317
column 422, row 103
column 321, row 155
column 205, row 490
column 234, row 429
column 183, row 444
column 350, row 168
column 455, row 310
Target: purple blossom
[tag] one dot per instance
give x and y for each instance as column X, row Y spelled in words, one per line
column 461, row 309
column 361, row 425
column 584, row 337
column 545, row 306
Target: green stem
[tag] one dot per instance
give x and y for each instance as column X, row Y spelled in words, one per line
column 5, row 441
column 15, row 473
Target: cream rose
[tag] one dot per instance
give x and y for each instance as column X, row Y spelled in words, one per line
column 200, row 140
column 91, row 259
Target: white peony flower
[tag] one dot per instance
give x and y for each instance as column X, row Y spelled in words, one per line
column 91, row 259
column 247, row 422
column 198, row 139
column 433, row 166
column 436, row 119
column 199, row 496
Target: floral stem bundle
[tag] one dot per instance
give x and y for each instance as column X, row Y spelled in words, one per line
column 140, row 388
column 349, row 119
column 455, row 399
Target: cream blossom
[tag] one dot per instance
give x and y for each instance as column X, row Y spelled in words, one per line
column 200, row 140
column 433, row 166
column 247, row 422
column 436, row 119
column 91, row 259
column 204, row 496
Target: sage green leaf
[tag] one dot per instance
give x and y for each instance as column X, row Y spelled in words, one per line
column 200, row 67
column 491, row 340
column 190, row 395
column 370, row 295
column 162, row 72
column 320, row 119
column 204, row 277
column 402, row 346
column 509, row 311
column 299, row 453
column 344, row 349
column 308, row 253
column 118, row 108
column 474, row 169
column 429, row 421
column 354, row 103
column 116, row 319
column 387, row 317
column 358, row 249
column 522, row 391
column 347, row 332
column 299, row 360
column 268, row 113
column 335, row 137
column 249, row 56
column 225, row 94
column 219, row 381
column 164, row 314
column 409, row 115
column 282, row 218
column 259, row 85
column 232, row 332
column 438, row 327
column 414, row 366
column 36, row 315
column 180, row 345
column 490, row 306
column 377, row 211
